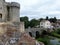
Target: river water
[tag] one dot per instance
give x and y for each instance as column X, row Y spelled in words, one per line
column 55, row 41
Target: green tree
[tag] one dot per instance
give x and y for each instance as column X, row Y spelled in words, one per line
column 58, row 31
column 45, row 40
column 47, row 18
column 34, row 23
column 53, row 20
column 40, row 19
column 25, row 20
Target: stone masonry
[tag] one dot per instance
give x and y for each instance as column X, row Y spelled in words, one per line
column 11, row 29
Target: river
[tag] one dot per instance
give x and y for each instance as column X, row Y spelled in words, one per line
column 55, row 41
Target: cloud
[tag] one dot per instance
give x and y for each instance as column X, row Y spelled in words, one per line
column 39, row 8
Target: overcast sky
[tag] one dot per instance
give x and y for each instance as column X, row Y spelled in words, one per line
column 39, row 8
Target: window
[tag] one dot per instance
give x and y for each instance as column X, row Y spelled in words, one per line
column 41, row 23
column 47, row 23
column 1, row 16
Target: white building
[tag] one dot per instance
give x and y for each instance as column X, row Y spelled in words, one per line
column 45, row 24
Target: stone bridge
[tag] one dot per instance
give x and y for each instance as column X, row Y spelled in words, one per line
column 36, row 31
column 33, row 31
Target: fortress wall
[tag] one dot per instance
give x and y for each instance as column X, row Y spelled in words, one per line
column 22, row 28
column 3, row 28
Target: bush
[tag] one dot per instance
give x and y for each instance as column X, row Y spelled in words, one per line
column 45, row 40
column 58, row 31
column 54, row 34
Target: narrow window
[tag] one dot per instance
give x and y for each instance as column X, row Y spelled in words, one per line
column 8, row 16
column 0, row 16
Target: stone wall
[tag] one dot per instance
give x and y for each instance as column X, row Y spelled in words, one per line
column 12, row 36
column 22, row 28
column 34, row 30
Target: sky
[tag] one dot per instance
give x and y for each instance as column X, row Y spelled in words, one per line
column 39, row 8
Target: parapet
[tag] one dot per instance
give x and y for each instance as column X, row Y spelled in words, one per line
column 14, row 4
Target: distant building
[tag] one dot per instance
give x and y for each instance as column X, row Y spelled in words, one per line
column 45, row 24
column 56, row 25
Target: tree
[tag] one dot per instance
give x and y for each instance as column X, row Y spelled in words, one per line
column 58, row 31
column 53, row 20
column 40, row 19
column 47, row 18
column 25, row 20
column 34, row 23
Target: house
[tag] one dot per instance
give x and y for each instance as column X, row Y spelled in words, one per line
column 57, row 24
column 45, row 24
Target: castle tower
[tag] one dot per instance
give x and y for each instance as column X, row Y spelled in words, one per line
column 3, row 11
column 10, row 12
column 14, row 12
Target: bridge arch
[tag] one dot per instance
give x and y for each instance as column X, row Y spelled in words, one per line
column 37, row 34
column 30, row 33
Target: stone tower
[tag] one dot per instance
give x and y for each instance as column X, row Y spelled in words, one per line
column 10, row 12
column 13, row 12
column 3, row 11
column 11, row 29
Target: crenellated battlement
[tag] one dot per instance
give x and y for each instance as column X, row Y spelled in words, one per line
column 14, row 4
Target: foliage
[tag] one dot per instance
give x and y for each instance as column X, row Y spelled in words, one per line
column 53, row 20
column 34, row 23
column 58, row 31
column 47, row 17
column 40, row 19
column 31, row 23
column 54, row 34
column 45, row 40
column 25, row 20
